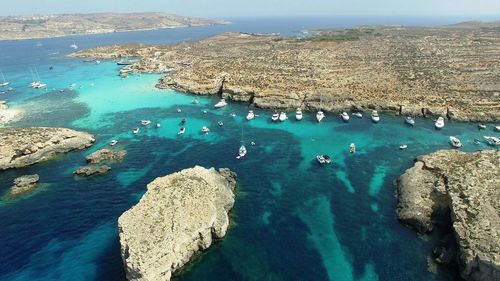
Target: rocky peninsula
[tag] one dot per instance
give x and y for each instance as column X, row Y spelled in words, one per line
column 466, row 188
column 449, row 71
column 26, row 146
column 179, row 216
column 47, row 26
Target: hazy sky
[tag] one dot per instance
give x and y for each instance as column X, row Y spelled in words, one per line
column 238, row 8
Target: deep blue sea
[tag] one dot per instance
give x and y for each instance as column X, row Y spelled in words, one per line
column 293, row 219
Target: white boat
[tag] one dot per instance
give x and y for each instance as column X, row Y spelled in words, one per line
column 403, row 146
column 455, row 142
column 37, row 83
column 182, row 130
column 283, row 116
column 345, row 116
column 233, row 114
column 241, row 152
column 320, row 115
column 250, row 115
column 113, row 142
column 73, row 46
column 221, row 103
column 298, row 114
column 410, row 121
column 439, row 123
column 136, row 131
column 358, row 114
column 194, row 101
column 323, row 159
column 481, row 126
column 205, row 129
column 97, row 62
column 4, row 83
column 158, row 125
column 352, row 148
column 220, row 123
column 275, row 116
column 179, row 110
column 494, row 141
column 375, row 116
column 497, row 128
column 145, row 122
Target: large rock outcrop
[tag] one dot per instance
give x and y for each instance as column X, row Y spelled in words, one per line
column 180, row 215
column 468, row 186
column 26, row 146
column 24, row 184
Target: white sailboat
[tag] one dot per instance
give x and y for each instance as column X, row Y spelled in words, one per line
column 73, row 46
column 37, row 83
column 4, row 82
column 243, row 150
column 298, row 114
column 320, row 115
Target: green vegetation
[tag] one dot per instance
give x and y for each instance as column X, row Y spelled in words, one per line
column 350, row 34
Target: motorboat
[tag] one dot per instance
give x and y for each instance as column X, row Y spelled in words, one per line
column 455, row 142
column 179, row 110
column 375, row 116
column 205, row 112
column 250, row 115
column 494, row 141
column 183, row 121
column 323, row 159
column 358, row 114
column 136, row 131
column 403, row 146
column 252, row 143
column 298, row 114
column 113, row 142
column 182, row 130
column 352, row 148
column 345, row 116
column 195, row 101
column 158, row 125
column 220, row 123
column 221, row 103
column 439, row 123
column 241, row 152
column 481, row 126
column 205, row 129
column 145, row 122
column 320, row 115
column 410, row 121
column 275, row 116
column 283, row 116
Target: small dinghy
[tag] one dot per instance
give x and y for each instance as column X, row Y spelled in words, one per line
column 344, row 116
column 403, row 146
column 250, row 115
column 320, row 115
column 158, row 125
column 323, row 159
column 352, row 148
column 375, row 116
column 145, row 122
column 481, row 126
column 439, row 123
column 283, row 116
column 205, row 129
column 113, row 142
column 220, row 123
column 275, row 116
column 455, row 142
column 410, row 121
column 358, row 114
column 241, row 152
column 493, row 141
column 182, row 130
column 298, row 114
column 136, row 131
column 221, row 103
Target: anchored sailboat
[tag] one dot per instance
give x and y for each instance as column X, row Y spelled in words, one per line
column 242, row 151
column 4, row 82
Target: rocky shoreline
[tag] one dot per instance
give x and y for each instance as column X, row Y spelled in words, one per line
column 464, row 189
column 428, row 72
column 26, row 146
column 179, row 216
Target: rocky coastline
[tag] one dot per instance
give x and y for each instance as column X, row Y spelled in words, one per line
column 179, row 216
column 463, row 189
column 425, row 72
column 26, row 146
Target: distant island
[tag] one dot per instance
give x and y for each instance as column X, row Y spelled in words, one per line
column 47, row 26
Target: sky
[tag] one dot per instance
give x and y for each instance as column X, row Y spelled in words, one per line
column 252, row 8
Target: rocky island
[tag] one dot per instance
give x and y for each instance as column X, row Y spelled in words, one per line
column 46, row 26
column 96, row 162
column 464, row 187
column 449, row 71
column 26, row 146
column 180, row 215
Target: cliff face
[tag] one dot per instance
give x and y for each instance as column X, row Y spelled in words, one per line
column 26, row 146
column 468, row 184
column 179, row 216
column 409, row 71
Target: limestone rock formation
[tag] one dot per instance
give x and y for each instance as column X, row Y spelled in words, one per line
column 24, row 184
column 106, row 155
column 91, row 170
column 26, row 146
column 468, row 185
column 180, row 215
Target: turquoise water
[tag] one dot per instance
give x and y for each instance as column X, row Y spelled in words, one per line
column 293, row 219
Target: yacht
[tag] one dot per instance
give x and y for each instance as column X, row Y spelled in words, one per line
column 241, row 152
column 205, row 129
column 481, row 126
column 439, row 123
column 4, row 83
column 298, row 114
column 352, row 148
column 221, row 103
column 283, row 116
column 182, row 130
column 250, row 115
column 410, row 121
column 136, row 131
column 145, row 122
column 113, row 142
column 494, row 141
column 345, row 116
column 323, row 159
column 37, row 83
column 73, row 46
column 358, row 114
column 455, row 142
column 375, row 116
column 275, row 116
column 320, row 115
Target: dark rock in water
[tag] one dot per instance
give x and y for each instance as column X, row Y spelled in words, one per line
column 24, row 184
column 91, row 170
column 106, row 155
